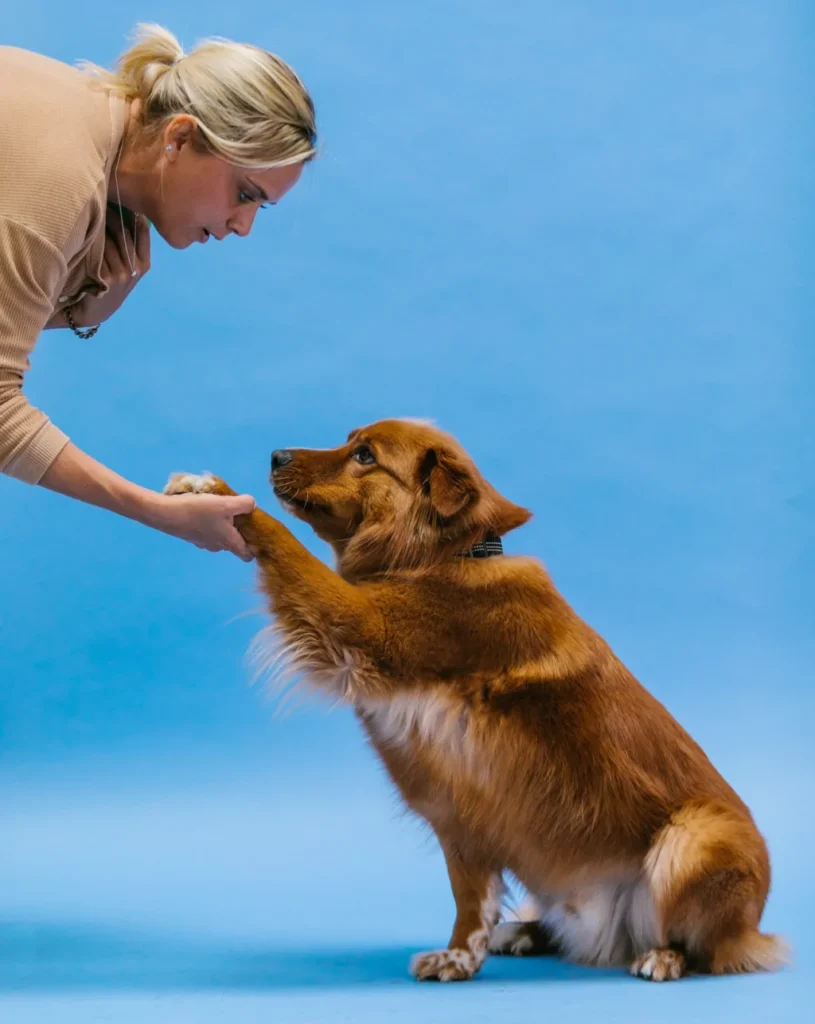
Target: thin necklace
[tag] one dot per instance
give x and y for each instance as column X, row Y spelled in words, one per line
column 121, row 215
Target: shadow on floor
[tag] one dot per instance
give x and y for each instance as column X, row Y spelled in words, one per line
column 43, row 957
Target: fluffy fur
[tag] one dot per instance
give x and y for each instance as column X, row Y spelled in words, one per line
column 504, row 720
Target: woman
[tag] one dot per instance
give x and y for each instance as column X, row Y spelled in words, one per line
column 192, row 144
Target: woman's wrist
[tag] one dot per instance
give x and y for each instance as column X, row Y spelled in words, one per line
column 57, row 322
column 149, row 508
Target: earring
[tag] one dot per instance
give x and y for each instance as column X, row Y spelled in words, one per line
column 169, row 147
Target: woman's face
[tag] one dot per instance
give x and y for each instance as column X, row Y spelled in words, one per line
column 201, row 196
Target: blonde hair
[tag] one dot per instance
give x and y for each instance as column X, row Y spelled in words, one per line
column 250, row 106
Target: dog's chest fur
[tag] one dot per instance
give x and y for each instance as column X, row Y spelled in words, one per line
column 431, row 743
column 407, row 721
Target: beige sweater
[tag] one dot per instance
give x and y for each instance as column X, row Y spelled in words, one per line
column 59, row 134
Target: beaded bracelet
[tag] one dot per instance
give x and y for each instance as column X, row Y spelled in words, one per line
column 78, row 331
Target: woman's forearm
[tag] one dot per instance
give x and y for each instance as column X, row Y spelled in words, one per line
column 77, row 475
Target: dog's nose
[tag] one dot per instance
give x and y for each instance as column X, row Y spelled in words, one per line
column 281, row 458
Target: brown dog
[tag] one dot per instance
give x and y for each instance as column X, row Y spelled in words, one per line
column 505, row 721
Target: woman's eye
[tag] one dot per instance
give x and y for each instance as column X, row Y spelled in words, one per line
column 247, row 197
column 363, row 455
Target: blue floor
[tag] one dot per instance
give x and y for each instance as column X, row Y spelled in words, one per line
column 128, row 902
column 105, row 977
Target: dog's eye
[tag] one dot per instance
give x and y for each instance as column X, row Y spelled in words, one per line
column 363, row 455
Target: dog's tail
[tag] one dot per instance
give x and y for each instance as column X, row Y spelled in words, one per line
column 751, row 951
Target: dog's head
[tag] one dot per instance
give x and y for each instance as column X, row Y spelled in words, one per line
column 398, row 494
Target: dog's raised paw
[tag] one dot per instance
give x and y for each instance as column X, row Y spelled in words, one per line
column 190, row 483
column 444, row 965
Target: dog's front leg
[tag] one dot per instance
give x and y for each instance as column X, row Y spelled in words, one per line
column 477, row 890
column 330, row 629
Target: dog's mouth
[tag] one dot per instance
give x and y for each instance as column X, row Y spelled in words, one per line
column 288, row 497
column 298, row 501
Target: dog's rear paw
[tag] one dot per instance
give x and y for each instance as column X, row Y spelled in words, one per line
column 659, row 965
column 445, row 965
column 191, row 483
column 520, row 938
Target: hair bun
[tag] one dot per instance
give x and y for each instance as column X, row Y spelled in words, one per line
column 155, row 52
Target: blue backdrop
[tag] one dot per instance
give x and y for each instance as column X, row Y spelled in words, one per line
column 579, row 236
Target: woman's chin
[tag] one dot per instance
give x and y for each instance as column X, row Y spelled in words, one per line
column 177, row 239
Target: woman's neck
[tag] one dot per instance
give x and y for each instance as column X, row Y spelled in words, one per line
column 132, row 176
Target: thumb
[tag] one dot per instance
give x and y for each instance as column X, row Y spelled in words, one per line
column 240, row 504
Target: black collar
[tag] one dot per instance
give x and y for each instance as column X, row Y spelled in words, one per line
column 485, row 549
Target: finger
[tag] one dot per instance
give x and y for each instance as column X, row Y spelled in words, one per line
column 240, row 505
column 143, row 241
column 208, row 545
column 115, row 239
column 237, row 545
column 113, row 266
column 242, row 551
column 113, row 255
column 125, row 247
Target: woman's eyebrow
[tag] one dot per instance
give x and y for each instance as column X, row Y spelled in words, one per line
column 261, row 192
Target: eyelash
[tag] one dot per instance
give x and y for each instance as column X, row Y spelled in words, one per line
column 245, row 197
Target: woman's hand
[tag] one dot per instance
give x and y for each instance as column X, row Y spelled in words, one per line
column 205, row 520
column 116, row 269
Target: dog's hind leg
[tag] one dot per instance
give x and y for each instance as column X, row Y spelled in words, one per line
column 708, row 872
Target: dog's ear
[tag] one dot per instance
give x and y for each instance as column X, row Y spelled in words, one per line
column 447, row 482
column 501, row 515
column 453, row 488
